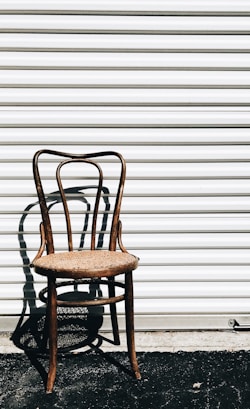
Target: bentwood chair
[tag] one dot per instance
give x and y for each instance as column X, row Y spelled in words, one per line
column 101, row 262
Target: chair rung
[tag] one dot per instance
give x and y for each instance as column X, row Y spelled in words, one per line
column 87, row 303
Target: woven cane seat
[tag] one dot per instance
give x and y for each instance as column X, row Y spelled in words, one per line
column 86, row 264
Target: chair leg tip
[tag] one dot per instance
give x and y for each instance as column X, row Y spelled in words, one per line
column 137, row 376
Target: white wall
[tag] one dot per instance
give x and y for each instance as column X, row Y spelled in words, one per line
column 166, row 83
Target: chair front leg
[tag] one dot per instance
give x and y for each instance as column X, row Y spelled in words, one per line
column 129, row 312
column 52, row 322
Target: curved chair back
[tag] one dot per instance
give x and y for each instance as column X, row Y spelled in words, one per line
column 89, row 194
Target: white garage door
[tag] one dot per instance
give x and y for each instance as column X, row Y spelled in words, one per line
column 167, row 84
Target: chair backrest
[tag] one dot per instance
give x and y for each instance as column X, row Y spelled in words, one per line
column 101, row 212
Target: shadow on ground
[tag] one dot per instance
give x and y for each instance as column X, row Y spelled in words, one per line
column 96, row 380
column 92, row 379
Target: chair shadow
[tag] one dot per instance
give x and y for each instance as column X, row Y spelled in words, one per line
column 78, row 328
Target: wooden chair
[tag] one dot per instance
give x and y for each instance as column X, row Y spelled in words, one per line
column 100, row 263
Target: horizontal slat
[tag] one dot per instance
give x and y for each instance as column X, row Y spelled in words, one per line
column 159, row 274
column 123, row 97
column 205, row 170
column 201, row 274
column 159, row 188
column 124, row 43
column 192, row 241
column 166, row 154
column 194, row 257
column 125, row 118
column 113, row 24
column 196, row 188
column 173, row 224
column 141, row 171
column 125, row 79
column 116, row 137
column 168, row 290
column 193, row 290
column 192, row 306
column 143, row 224
column 167, row 205
column 190, row 205
column 159, row 241
column 119, row 61
column 145, row 6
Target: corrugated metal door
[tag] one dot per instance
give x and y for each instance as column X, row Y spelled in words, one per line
column 166, row 83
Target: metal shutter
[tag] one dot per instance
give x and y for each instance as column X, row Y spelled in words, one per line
column 166, row 83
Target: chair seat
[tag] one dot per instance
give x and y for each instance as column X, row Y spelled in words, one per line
column 85, row 264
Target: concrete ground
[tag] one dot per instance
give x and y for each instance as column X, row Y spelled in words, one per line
column 169, row 341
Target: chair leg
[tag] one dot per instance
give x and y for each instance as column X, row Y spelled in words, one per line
column 52, row 316
column 113, row 315
column 129, row 312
